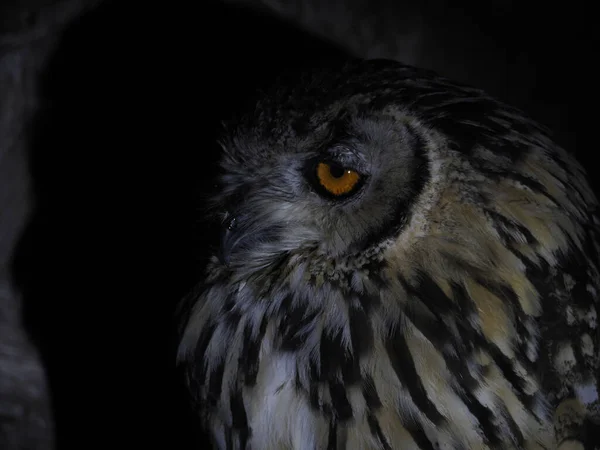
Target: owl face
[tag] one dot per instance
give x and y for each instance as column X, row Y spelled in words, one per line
column 335, row 191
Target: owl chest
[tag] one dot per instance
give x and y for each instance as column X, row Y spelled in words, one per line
column 409, row 401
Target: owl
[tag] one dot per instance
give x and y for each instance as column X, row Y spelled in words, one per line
column 405, row 263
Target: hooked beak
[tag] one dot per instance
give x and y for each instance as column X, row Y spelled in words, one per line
column 241, row 233
column 228, row 240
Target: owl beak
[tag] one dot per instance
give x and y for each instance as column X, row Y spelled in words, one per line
column 228, row 241
column 241, row 233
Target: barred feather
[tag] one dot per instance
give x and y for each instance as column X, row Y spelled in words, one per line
column 451, row 305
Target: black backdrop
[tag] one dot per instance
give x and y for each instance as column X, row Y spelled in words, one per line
column 123, row 152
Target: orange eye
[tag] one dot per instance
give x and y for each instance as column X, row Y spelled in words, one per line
column 337, row 180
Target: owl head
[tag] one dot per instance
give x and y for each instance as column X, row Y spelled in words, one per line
column 334, row 165
column 332, row 182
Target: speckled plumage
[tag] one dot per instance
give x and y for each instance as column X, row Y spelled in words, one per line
column 450, row 303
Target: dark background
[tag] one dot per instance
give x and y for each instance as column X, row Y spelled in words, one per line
column 124, row 152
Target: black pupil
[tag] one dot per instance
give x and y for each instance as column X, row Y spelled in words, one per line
column 336, row 170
